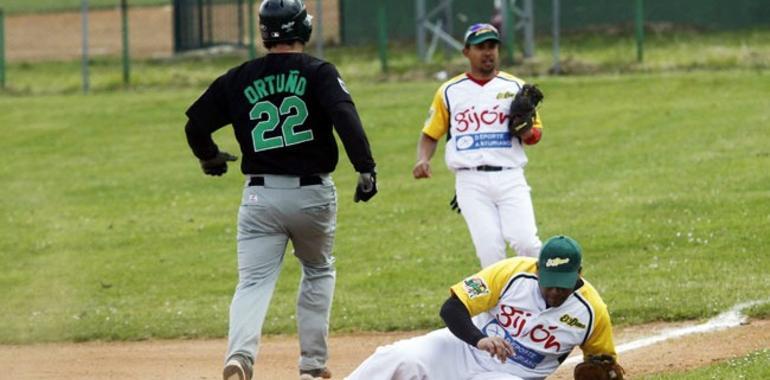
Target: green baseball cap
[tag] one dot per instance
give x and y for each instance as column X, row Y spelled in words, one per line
column 478, row 33
column 559, row 262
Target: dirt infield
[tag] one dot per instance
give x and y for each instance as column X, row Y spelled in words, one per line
column 57, row 36
column 201, row 359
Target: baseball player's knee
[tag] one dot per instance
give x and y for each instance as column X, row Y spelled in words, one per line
column 488, row 242
column 495, row 376
column 395, row 358
column 527, row 247
column 410, row 369
column 490, row 257
column 319, row 270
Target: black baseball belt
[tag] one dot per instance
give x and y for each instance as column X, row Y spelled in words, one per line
column 486, row 168
column 303, row 181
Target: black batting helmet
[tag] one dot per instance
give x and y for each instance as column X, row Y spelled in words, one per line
column 284, row 21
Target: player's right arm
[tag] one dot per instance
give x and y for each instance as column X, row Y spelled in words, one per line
column 426, row 148
column 479, row 293
column 435, row 126
column 458, row 320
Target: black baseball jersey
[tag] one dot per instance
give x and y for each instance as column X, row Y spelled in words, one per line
column 282, row 108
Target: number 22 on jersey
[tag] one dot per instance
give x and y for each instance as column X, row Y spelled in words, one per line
column 295, row 108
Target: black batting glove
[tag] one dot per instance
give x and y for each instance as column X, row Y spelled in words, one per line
column 218, row 164
column 454, row 205
column 367, row 186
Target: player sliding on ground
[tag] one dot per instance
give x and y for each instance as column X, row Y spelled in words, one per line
column 515, row 320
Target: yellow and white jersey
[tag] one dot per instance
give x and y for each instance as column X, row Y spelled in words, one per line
column 504, row 300
column 475, row 117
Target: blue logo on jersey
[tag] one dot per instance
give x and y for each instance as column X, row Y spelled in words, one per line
column 483, row 140
column 521, row 354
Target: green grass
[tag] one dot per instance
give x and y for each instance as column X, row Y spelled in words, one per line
column 750, row 367
column 36, row 6
column 671, row 49
column 108, row 229
column 582, row 54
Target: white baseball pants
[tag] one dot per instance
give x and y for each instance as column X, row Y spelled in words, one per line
column 438, row 355
column 497, row 208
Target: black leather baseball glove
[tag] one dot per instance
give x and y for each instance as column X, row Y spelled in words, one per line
column 599, row 367
column 217, row 165
column 523, row 108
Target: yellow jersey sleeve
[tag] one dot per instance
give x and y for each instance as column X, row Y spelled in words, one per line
column 538, row 123
column 481, row 291
column 600, row 341
column 437, row 123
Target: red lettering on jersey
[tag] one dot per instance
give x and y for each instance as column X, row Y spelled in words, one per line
column 462, row 121
column 540, row 334
column 471, row 118
column 510, row 316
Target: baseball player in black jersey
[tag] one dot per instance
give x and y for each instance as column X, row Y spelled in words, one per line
column 282, row 107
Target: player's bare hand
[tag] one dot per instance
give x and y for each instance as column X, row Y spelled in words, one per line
column 527, row 134
column 421, row 169
column 496, row 346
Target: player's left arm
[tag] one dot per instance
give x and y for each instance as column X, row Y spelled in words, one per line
column 600, row 342
column 600, row 359
column 534, row 135
column 337, row 102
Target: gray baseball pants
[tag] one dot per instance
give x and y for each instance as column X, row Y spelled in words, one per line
column 270, row 216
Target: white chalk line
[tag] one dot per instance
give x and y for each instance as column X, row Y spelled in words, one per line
column 729, row 319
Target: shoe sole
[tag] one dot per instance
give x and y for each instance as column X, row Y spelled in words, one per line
column 310, row 377
column 307, row 376
column 233, row 371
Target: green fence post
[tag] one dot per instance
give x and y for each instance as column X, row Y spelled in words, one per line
column 84, row 60
column 382, row 20
column 509, row 34
column 2, row 49
column 126, row 57
column 252, row 46
column 639, row 30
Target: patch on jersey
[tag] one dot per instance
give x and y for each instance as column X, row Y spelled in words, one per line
column 522, row 355
column 525, row 356
column 483, row 140
column 342, row 85
column 505, row 95
column 253, row 198
column 475, row 287
column 556, row 261
column 571, row 321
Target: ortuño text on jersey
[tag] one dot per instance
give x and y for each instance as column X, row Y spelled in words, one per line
column 291, row 83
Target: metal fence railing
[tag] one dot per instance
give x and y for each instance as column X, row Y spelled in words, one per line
column 205, row 23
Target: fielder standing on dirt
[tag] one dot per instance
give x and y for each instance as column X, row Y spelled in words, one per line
column 282, row 108
column 485, row 149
